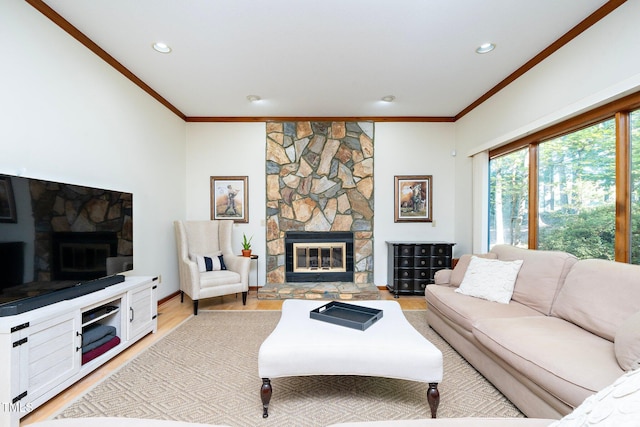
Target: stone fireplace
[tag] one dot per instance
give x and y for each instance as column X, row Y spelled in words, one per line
column 318, row 256
column 319, row 179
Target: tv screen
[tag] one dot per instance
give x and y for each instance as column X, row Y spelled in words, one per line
column 55, row 236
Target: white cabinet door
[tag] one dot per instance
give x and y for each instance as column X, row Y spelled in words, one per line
column 16, row 343
column 52, row 353
column 142, row 310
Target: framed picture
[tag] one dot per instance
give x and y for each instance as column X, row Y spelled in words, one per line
column 413, row 198
column 229, row 198
column 7, row 201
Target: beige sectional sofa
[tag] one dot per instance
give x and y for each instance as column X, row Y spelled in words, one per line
column 570, row 329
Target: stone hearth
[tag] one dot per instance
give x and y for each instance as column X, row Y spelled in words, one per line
column 344, row 291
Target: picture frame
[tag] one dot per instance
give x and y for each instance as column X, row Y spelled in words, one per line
column 7, row 201
column 230, row 198
column 413, row 195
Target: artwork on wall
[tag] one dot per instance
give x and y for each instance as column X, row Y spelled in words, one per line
column 7, row 201
column 229, row 198
column 413, row 195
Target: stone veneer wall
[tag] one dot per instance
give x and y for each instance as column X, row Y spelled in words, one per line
column 320, row 178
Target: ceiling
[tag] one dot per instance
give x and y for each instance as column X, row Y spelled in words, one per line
column 323, row 58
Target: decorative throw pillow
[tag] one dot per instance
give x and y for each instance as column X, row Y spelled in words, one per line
column 614, row 406
column 490, row 279
column 463, row 263
column 626, row 344
column 212, row 262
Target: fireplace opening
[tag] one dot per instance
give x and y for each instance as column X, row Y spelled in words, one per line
column 319, row 256
column 82, row 255
column 323, row 256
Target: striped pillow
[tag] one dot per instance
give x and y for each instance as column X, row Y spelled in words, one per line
column 212, row 262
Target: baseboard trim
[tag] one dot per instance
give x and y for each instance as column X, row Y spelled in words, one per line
column 168, row 297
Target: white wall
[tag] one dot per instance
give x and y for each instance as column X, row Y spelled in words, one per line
column 221, row 149
column 412, row 149
column 600, row 65
column 65, row 115
column 229, row 149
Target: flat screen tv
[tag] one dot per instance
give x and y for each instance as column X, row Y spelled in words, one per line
column 59, row 241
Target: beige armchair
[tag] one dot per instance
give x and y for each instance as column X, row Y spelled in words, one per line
column 205, row 241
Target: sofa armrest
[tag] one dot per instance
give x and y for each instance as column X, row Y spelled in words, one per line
column 442, row 277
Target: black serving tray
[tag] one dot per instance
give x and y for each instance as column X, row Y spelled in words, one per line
column 349, row 315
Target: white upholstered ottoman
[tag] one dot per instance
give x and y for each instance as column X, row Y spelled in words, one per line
column 390, row 348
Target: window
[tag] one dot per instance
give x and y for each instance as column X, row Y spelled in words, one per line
column 577, row 192
column 574, row 186
column 509, row 199
column 635, row 186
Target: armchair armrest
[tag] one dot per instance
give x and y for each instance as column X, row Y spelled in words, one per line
column 239, row 264
column 189, row 277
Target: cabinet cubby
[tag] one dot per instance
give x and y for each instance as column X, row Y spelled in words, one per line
column 100, row 313
column 101, row 329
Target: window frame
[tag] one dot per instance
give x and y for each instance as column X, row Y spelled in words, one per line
column 619, row 110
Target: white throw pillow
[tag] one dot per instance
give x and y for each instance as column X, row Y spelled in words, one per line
column 615, row 406
column 490, row 279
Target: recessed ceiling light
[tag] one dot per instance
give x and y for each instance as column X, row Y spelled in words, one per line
column 161, row 47
column 388, row 98
column 485, row 48
column 253, row 98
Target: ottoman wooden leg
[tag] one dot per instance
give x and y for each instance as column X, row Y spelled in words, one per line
column 433, row 397
column 265, row 395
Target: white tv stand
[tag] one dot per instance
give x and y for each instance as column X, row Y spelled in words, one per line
column 41, row 350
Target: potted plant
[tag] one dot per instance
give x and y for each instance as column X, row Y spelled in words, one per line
column 246, row 245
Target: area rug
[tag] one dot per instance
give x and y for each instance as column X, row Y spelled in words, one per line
column 206, row 371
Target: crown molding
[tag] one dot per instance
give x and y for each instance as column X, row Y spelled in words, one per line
column 320, row 119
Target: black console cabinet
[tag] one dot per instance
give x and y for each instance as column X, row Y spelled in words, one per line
column 412, row 265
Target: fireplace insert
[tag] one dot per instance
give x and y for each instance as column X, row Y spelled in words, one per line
column 319, row 256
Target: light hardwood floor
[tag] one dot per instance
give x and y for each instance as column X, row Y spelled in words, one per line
column 171, row 314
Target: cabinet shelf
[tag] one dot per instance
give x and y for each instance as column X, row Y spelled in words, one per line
column 98, row 314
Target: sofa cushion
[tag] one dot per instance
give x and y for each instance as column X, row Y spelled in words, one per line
column 490, row 279
column 461, row 267
column 617, row 405
column 562, row 358
column 465, row 310
column 627, row 343
column 541, row 274
column 599, row 296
